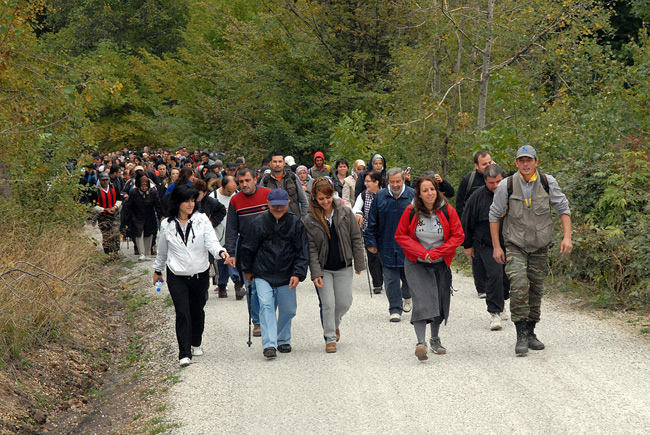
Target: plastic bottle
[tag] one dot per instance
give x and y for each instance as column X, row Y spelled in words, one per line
column 158, row 285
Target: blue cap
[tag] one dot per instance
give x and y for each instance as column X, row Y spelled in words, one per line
column 527, row 151
column 278, row 197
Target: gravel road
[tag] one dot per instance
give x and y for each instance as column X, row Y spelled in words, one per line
column 591, row 378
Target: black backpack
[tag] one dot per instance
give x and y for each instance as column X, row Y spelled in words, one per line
column 444, row 211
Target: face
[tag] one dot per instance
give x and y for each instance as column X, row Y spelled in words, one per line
column 526, row 166
column 104, row 183
column 483, row 162
column 302, row 175
column 493, row 182
column 396, row 181
column 231, row 172
column 188, row 164
column 278, row 210
column 174, row 175
column 247, row 184
column 325, row 201
column 342, row 169
column 277, row 164
column 360, row 169
column 428, row 194
column 187, row 207
column 371, row 185
column 229, row 188
column 162, row 170
column 319, row 161
column 144, row 184
column 201, row 196
column 378, row 165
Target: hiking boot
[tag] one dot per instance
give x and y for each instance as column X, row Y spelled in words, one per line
column 395, row 317
column 269, row 352
column 436, row 346
column 495, row 322
column 330, row 348
column 197, row 350
column 184, row 362
column 533, row 342
column 240, row 291
column 284, row 348
column 376, row 290
column 407, row 305
column 521, row 348
column 338, row 335
column 222, row 291
column 257, row 330
column 421, row 352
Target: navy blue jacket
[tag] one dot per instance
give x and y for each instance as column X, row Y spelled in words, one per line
column 383, row 218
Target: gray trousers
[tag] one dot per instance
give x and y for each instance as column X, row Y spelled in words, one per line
column 335, row 299
column 144, row 244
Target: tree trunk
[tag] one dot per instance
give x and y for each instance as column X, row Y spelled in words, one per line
column 485, row 70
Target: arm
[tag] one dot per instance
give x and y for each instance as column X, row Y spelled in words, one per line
column 161, row 255
column 357, row 244
column 462, row 193
column 302, row 197
column 497, row 253
column 218, row 212
column 348, row 191
column 314, row 264
column 468, row 221
column 567, row 245
column 232, row 230
column 447, row 189
column 301, row 260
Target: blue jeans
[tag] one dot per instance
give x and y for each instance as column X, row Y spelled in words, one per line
column 253, row 301
column 392, row 277
column 226, row 272
column 274, row 332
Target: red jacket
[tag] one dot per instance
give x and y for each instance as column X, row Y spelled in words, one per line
column 413, row 249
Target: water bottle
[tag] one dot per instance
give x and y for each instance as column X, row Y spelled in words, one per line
column 158, row 285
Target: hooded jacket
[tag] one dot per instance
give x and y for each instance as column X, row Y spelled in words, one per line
column 323, row 171
column 360, row 186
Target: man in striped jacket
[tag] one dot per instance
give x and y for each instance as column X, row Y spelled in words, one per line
column 106, row 205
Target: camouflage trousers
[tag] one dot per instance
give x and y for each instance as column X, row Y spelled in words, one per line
column 109, row 226
column 527, row 272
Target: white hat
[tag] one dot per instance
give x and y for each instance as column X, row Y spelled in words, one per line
column 289, row 160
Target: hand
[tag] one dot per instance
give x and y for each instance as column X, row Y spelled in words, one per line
column 248, row 276
column 232, row 262
column 359, row 219
column 438, row 178
column 224, row 255
column 372, row 249
column 294, row 281
column 469, row 252
column 566, row 247
column 318, row 282
column 498, row 255
column 428, row 259
column 157, row 277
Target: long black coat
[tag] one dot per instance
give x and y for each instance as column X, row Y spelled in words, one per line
column 140, row 212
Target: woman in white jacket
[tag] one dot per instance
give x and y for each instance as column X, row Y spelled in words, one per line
column 185, row 240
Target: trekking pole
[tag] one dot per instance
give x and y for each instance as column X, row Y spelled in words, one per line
column 365, row 258
column 250, row 320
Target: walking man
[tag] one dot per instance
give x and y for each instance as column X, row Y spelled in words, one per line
column 383, row 218
column 478, row 244
column 275, row 255
column 107, row 205
column 522, row 201
column 282, row 178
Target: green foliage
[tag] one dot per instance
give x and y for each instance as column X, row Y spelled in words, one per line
column 349, row 138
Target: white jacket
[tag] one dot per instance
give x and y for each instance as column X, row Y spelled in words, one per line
column 190, row 259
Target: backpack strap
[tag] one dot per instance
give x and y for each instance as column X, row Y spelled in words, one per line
column 470, row 183
column 444, row 211
column 412, row 214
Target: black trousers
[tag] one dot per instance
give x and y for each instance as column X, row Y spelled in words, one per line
column 189, row 296
column 374, row 266
column 479, row 273
column 496, row 285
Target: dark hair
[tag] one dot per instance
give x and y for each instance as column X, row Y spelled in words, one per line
column 376, row 176
column 246, row 170
column 201, row 186
column 480, row 154
column 339, row 161
column 277, row 153
column 492, row 170
column 180, row 194
column 418, row 204
column 322, row 185
column 185, row 175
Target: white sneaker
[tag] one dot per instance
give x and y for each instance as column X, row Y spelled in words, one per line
column 184, row 362
column 504, row 315
column 142, row 257
column 395, row 317
column 197, row 351
column 407, row 305
column 506, row 308
column 495, row 323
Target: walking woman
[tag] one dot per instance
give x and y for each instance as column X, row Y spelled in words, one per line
column 429, row 231
column 140, row 214
column 334, row 242
column 373, row 182
column 185, row 240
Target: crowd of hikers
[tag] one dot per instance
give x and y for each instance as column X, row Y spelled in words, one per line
column 263, row 228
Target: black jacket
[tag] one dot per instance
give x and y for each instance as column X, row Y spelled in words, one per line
column 213, row 209
column 275, row 250
column 475, row 219
column 465, row 191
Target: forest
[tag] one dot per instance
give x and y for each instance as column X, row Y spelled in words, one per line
column 425, row 83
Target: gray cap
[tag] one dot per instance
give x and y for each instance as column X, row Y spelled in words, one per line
column 104, row 176
column 527, row 151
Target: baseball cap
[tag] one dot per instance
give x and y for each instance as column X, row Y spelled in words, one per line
column 138, row 168
column 278, row 197
column 527, row 151
column 231, row 165
column 104, row 176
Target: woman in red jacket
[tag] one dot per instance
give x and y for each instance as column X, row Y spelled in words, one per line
column 429, row 231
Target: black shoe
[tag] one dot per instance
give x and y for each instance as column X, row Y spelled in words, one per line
column 376, row 290
column 533, row 342
column 269, row 352
column 521, row 348
column 284, row 348
column 240, row 290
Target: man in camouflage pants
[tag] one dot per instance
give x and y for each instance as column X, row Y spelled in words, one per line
column 523, row 202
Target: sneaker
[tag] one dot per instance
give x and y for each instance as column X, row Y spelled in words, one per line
column 407, row 305
column 436, row 346
column 421, row 352
column 269, row 352
column 482, row 295
column 197, row 350
column 504, row 315
column 376, row 290
column 257, row 330
column 330, row 348
column 338, row 335
column 284, row 348
column 395, row 317
column 184, row 362
column 240, row 290
column 495, row 322
column 142, row 257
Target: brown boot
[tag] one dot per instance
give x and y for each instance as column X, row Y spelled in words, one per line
column 257, row 330
column 222, row 291
column 338, row 335
column 240, row 291
column 330, row 348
